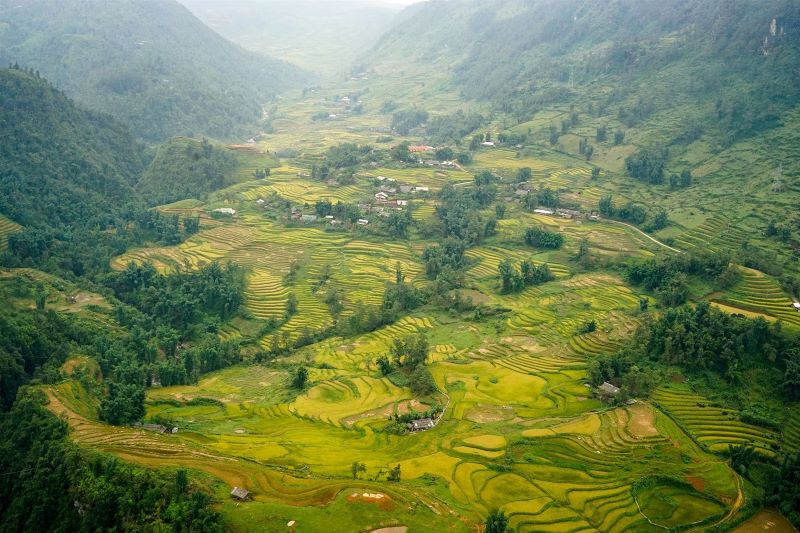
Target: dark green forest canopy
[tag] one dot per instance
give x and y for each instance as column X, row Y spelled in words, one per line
column 150, row 63
column 60, row 164
column 184, row 168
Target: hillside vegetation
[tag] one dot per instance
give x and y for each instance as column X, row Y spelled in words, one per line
column 149, row 63
column 184, row 168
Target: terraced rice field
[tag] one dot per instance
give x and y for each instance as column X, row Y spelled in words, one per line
column 715, row 234
column 761, row 294
column 432, row 178
column 359, row 268
column 7, row 227
column 713, row 426
column 791, row 431
column 506, row 161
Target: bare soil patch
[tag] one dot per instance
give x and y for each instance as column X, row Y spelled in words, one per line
column 642, row 422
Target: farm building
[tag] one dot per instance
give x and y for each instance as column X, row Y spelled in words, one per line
column 240, row 493
column 607, row 390
column 543, row 211
column 225, row 211
column 421, row 425
column 568, row 213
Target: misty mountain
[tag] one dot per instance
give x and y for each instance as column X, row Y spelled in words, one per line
column 150, row 63
column 320, row 36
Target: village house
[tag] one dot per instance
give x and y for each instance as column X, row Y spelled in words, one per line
column 225, row 211
column 607, row 391
column 487, row 143
column 594, row 215
column 381, row 196
column 296, row 213
column 543, row 211
column 521, row 192
column 363, row 222
column 423, row 424
column 240, row 494
column 308, row 219
column 260, row 202
column 405, row 189
column 568, row 213
column 402, row 203
column 796, row 306
column 388, row 190
column 421, row 189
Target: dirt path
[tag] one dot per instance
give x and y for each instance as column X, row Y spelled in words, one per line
column 645, row 235
column 738, row 504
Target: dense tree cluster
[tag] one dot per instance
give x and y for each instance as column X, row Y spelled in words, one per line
column 647, row 165
column 704, row 339
column 442, row 129
column 404, row 121
column 669, row 276
column 341, row 162
column 528, row 275
column 542, row 238
column 183, row 298
column 184, row 168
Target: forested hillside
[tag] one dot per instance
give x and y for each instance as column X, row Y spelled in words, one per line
column 731, row 64
column 60, row 164
column 150, row 63
column 68, row 177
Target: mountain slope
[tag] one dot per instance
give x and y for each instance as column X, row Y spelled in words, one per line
column 524, row 55
column 150, row 63
column 321, row 36
column 60, row 165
